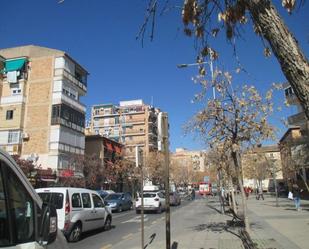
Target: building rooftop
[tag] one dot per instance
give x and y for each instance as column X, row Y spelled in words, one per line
column 34, row 52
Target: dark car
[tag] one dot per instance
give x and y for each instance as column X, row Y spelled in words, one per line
column 119, row 201
column 104, row 193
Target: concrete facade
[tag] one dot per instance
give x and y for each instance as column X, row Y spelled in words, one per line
column 196, row 158
column 42, row 105
column 131, row 123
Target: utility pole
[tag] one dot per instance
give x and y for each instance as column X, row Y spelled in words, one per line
column 139, row 164
column 167, row 182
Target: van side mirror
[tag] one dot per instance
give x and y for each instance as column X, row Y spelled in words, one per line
column 48, row 231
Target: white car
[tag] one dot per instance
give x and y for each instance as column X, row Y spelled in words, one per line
column 25, row 221
column 78, row 210
column 153, row 201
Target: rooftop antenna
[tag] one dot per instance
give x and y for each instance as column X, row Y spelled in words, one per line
column 151, row 101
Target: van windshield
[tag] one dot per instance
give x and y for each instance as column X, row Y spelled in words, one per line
column 53, row 198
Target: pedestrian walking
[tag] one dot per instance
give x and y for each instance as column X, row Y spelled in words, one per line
column 260, row 193
column 193, row 194
column 296, row 195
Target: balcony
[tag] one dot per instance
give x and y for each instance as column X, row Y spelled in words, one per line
column 59, row 97
column 65, row 74
column 15, row 99
column 137, row 132
column 297, row 119
column 133, row 121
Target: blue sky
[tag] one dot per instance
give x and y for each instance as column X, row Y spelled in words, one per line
column 100, row 35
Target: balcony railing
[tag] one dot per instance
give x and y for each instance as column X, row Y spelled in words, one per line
column 58, row 97
column 134, row 132
column 12, row 99
column 297, row 119
column 70, row 77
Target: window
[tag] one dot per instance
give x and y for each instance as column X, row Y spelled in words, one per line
column 13, row 137
column 97, row 202
column 22, row 208
column 15, row 89
column 4, row 231
column 53, row 198
column 107, row 111
column 86, row 200
column 76, row 201
column 9, row 114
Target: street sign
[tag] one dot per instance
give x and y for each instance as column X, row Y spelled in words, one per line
column 206, row 178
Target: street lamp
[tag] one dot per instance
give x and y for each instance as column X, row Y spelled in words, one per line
column 211, row 70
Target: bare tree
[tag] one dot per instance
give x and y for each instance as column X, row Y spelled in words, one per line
column 203, row 20
column 237, row 118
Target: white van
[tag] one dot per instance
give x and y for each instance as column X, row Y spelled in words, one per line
column 78, row 210
column 25, row 222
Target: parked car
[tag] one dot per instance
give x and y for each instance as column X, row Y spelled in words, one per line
column 119, row 201
column 104, row 193
column 79, row 210
column 175, row 199
column 153, row 201
column 28, row 223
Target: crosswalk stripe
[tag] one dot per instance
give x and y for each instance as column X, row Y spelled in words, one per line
column 127, row 236
column 107, row 246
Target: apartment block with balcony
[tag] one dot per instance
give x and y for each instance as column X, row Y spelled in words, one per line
column 132, row 123
column 294, row 144
column 41, row 112
column 299, row 118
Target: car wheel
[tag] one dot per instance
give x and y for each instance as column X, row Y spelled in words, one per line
column 119, row 209
column 75, row 233
column 108, row 223
column 159, row 211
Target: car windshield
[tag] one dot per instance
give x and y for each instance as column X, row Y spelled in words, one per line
column 53, row 198
column 113, row 197
column 149, row 195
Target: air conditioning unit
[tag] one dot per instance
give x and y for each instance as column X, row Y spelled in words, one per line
column 25, row 136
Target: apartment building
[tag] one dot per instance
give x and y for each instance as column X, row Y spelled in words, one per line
column 294, row 144
column 196, row 160
column 131, row 123
column 41, row 115
column 270, row 156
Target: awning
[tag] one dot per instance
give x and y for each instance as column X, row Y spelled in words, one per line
column 14, row 65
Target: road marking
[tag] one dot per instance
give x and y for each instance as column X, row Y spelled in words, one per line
column 154, row 222
column 128, row 236
column 136, row 219
column 107, row 246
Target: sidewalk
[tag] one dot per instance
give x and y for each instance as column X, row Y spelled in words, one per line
column 279, row 227
column 200, row 225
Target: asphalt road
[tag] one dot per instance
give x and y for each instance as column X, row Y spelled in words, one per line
column 124, row 225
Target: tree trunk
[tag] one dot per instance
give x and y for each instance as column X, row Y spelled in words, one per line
column 305, row 182
column 293, row 62
column 243, row 195
column 232, row 195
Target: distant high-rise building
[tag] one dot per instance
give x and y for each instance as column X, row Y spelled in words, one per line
column 132, row 123
column 41, row 116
